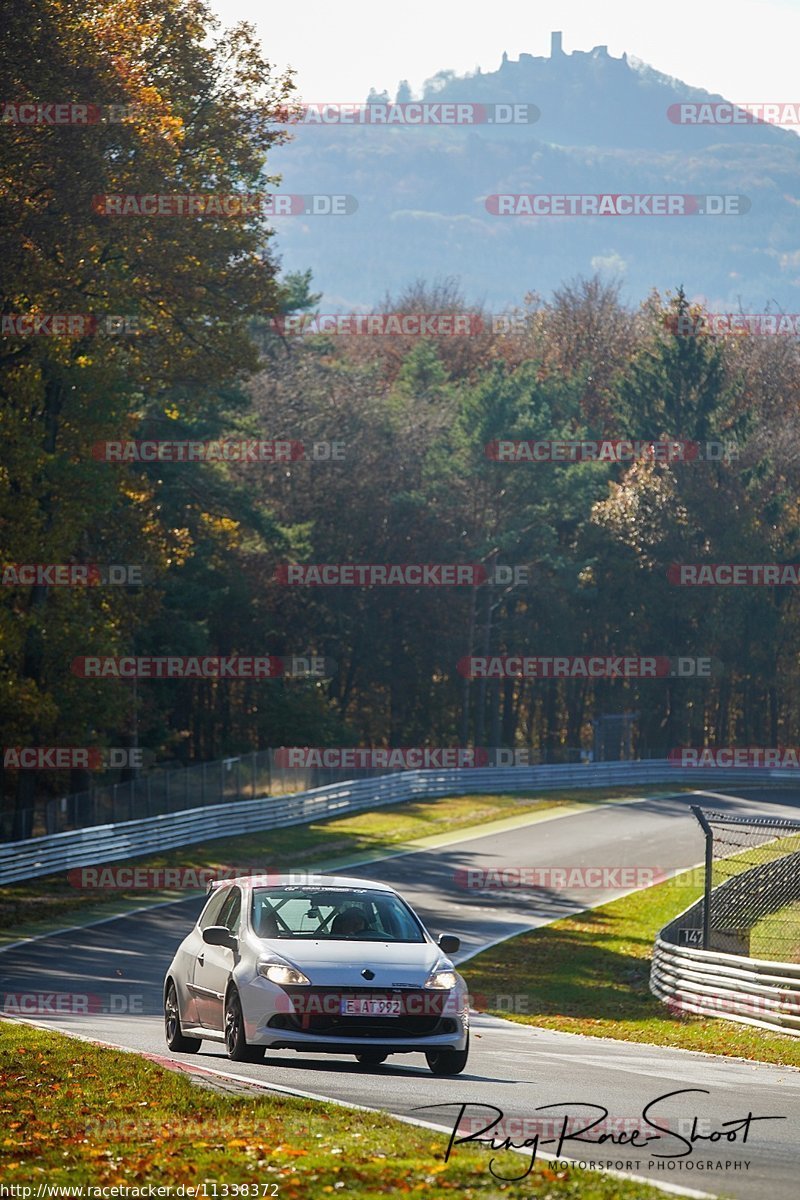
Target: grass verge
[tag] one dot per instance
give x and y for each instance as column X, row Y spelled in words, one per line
column 77, row 1114
column 37, row 905
column 589, row 974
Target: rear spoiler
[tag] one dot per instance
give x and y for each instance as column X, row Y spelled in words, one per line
column 251, row 878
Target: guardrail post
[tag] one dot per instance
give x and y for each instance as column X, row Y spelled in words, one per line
column 709, row 869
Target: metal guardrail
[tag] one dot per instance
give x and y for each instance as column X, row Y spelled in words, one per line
column 171, row 789
column 717, row 981
column 711, row 984
column 35, row 857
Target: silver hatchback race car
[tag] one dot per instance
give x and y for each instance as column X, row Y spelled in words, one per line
column 332, row 965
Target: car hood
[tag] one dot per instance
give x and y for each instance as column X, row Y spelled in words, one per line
column 395, row 964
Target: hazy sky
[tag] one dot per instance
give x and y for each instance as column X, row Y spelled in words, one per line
column 745, row 49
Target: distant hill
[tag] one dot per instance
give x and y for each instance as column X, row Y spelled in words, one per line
column 604, row 127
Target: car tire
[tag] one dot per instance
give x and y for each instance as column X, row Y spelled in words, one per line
column 371, row 1058
column 239, row 1049
column 172, row 1025
column 448, row 1062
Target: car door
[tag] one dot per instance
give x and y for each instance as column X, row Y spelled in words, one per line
column 196, row 948
column 214, row 964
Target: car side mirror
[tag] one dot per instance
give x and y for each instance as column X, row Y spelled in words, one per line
column 219, row 935
column 448, row 943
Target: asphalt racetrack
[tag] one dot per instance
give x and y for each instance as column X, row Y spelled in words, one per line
column 513, row 1068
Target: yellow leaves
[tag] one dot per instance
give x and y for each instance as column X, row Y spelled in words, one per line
column 546, row 1173
column 225, row 528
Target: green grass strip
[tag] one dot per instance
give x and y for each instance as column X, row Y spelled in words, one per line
column 78, row 1114
column 589, row 974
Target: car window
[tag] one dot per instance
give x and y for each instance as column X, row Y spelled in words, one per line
column 232, row 911
column 210, row 913
column 336, row 913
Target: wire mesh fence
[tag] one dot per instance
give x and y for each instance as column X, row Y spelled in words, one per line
column 751, row 902
column 159, row 791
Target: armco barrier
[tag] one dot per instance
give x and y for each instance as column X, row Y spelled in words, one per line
column 128, row 839
column 711, row 984
column 715, row 983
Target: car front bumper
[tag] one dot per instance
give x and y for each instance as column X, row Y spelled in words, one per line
column 311, row 1018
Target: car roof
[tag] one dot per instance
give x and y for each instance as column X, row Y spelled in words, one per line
column 301, row 879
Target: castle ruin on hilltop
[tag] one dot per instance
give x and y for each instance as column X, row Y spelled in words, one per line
column 557, row 53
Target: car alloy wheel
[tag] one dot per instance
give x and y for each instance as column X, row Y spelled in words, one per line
column 172, row 1025
column 446, row 1061
column 235, row 1041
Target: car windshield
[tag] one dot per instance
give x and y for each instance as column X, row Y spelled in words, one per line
column 341, row 914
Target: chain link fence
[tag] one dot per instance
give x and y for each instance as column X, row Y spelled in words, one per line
column 159, row 791
column 751, row 903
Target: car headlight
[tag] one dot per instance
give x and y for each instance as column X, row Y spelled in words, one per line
column 282, row 973
column 442, row 978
